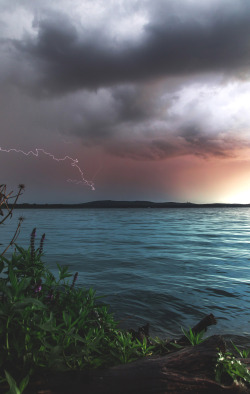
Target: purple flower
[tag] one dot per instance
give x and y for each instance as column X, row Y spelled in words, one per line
column 33, row 234
column 41, row 244
column 74, row 281
column 38, row 287
column 32, row 244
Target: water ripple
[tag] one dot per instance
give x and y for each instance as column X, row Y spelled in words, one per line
column 168, row 267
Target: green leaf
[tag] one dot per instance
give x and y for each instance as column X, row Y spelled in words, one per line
column 24, row 383
column 27, row 302
column 243, row 354
column 23, row 284
column 5, row 259
column 5, row 289
column 63, row 272
column 13, row 279
column 77, row 337
column 12, row 383
column 49, row 325
column 194, row 339
column 21, row 250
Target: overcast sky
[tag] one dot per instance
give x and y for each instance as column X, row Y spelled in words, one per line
column 151, row 97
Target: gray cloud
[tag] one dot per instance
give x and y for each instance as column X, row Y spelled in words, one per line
column 67, row 58
column 130, row 103
column 195, row 144
column 140, row 150
column 199, row 143
column 150, row 96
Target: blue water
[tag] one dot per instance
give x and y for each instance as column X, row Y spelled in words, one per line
column 168, row 267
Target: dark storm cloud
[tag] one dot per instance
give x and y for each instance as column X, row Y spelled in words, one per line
column 68, row 59
column 199, row 143
column 149, row 95
column 129, row 103
column 93, row 132
column 191, row 140
column 140, row 129
column 111, row 111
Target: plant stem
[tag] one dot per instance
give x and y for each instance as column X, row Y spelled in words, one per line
column 7, row 336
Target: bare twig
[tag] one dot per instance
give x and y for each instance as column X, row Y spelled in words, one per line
column 5, row 198
column 4, row 203
column 14, row 238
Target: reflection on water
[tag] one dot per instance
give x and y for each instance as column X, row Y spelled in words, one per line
column 168, row 267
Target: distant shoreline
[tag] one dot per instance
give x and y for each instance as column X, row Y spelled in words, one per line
column 127, row 204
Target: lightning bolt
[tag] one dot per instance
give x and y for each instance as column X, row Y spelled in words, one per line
column 73, row 162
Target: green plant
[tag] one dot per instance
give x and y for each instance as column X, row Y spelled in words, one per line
column 14, row 389
column 145, row 348
column 228, row 365
column 124, row 349
column 161, row 346
column 243, row 353
column 194, row 338
column 48, row 322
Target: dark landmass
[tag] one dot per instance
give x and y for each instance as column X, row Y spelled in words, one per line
column 129, row 204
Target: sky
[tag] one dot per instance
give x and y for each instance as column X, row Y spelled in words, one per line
column 144, row 100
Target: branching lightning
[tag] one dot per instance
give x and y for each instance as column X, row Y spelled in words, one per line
column 73, row 162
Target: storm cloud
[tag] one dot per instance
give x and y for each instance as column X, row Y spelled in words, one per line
column 143, row 81
column 66, row 57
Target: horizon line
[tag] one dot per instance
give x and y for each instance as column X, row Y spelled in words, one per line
column 136, row 203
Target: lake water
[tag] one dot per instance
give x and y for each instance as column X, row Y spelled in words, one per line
column 168, row 267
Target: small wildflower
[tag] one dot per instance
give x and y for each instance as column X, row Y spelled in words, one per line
column 33, row 234
column 41, row 244
column 32, row 244
column 38, row 287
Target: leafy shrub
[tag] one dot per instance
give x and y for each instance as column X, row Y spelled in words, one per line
column 48, row 322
